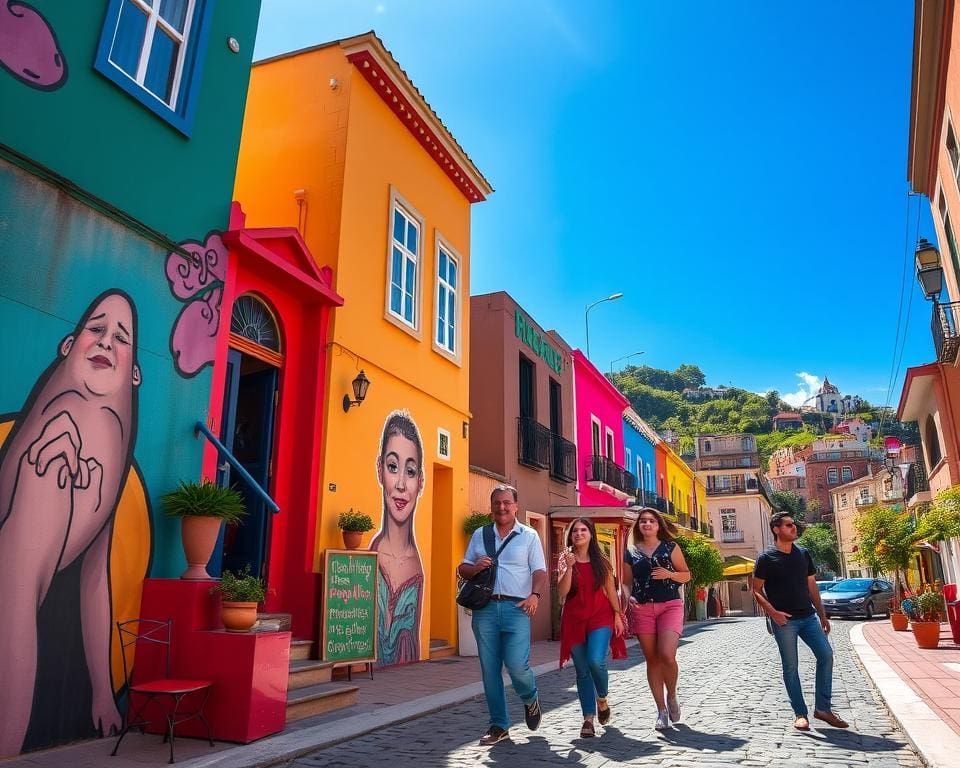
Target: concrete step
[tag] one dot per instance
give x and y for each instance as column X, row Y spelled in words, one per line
column 301, row 649
column 440, row 648
column 307, row 672
column 282, row 620
column 319, row 699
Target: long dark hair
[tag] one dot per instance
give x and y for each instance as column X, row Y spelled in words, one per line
column 598, row 563
column 665, row 531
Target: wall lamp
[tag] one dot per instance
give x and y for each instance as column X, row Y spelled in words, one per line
column 360, row 385
column 929, row 271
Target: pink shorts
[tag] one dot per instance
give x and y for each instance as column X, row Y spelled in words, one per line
column 653, row 618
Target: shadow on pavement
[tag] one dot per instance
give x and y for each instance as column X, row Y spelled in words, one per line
column 535, row 751
column 688, row 737
column 852, row 740
column 613, row 744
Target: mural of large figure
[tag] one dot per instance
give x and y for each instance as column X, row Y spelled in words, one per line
column 400, row 570
column 63, row 467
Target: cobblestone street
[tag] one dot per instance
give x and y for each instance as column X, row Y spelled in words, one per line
column 735, row 712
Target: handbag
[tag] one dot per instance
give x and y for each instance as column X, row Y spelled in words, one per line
column 475, row 592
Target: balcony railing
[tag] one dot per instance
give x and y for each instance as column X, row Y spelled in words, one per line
column 916, row 480
column 661, row 504
column 892, row 496
column 607, row 471
column 704, row 527
column 533, row 443
column 711, row 532
column 683, row 519
column 731, row 537
column 865, row 501
column 944, row 325
column 646, row 498
column 670, row 509
column 746, row 461
column 564, row 466
column 694, row 524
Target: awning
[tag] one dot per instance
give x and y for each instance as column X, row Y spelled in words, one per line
column 738, row 566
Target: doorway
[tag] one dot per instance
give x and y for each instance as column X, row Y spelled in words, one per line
column 247, row 428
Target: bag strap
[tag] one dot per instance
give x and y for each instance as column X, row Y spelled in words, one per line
column 488, row 541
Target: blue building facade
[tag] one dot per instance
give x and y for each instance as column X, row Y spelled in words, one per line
column 638, row 442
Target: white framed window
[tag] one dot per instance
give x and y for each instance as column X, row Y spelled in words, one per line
column 443, row 443
column 728, row 520
column 595, row 434
column 609, row 445
column 640, row 478
column 446, row 307
column 404, row 265
column 628, row 458
column 843, row 499
column 846, row 474
column 832, row 476
column 154, row 50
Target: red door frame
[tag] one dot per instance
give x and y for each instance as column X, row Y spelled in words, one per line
column 276, row 265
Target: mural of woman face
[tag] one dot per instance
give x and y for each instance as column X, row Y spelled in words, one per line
column 99, row 355
column 401, row 477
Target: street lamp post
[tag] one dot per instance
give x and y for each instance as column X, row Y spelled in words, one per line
column 586, row 315
column 625, row 357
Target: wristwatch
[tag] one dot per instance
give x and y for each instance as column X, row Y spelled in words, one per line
column 535, row 593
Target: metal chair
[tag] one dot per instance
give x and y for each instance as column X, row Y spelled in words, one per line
column 152, row 638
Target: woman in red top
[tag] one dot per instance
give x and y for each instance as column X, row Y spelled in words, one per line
column 591, row 621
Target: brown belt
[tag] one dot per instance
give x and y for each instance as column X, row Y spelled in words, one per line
column 511, row 598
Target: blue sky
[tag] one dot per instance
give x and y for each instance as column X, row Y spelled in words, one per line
column 737, row 170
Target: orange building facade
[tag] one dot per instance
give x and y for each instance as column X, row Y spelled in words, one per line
column 339, row 144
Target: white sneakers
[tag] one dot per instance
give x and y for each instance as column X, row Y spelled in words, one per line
column 673, row 707
column 663, row 721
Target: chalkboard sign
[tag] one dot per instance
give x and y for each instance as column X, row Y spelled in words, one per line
column 349, row 617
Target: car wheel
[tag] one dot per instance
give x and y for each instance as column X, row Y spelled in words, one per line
column 868, row 611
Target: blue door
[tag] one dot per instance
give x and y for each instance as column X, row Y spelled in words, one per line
column 249, row 408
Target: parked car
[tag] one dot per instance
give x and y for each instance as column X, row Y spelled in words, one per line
column 826, row 586
column 858, row 597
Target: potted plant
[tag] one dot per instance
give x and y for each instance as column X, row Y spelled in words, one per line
column 898, row 618
column 476, row 520
column 887, row 537
column 202, row 507
column 353, row 525
column 240, row 594
column 926, row 611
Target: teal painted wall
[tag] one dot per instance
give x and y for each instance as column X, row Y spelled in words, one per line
column 107, row 143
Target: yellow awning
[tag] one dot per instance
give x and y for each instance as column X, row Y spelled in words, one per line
column 739, row 566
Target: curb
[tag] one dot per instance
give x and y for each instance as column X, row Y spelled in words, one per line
column 937, row 743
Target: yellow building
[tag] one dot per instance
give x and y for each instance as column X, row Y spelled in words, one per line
column 338, row 142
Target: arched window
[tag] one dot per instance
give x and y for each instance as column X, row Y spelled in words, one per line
column 252, row 319
column 932, row 438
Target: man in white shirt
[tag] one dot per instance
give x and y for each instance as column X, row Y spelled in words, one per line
column 502, row 627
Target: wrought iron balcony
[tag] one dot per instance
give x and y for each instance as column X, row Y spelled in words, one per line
column 731, row 537
column 683, row 519
column 661, row 504
column 916, row 480
column 865, row 501
column 694, row 524
column 944, row 325
column 670, row 510
column 647, row 498
column 704, row 527
column 564, row 465
column 608, row 472
column 533, row 443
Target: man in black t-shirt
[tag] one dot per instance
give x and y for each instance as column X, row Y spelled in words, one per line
column 785, row 586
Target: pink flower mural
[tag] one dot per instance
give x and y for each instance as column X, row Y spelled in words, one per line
column 28, row 47
column 196, row 278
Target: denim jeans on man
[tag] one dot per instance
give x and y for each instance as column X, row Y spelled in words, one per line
column 590, row 660
column 811, row 632
column 503, row 640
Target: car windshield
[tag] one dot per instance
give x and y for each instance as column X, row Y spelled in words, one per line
column 826, row 586
column 853, row 585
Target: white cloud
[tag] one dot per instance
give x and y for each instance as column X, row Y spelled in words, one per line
column 808, row 387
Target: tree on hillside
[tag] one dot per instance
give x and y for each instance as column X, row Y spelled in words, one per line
column 820, row 540
column 690, row 375
column 654, row 405
column 788, row 501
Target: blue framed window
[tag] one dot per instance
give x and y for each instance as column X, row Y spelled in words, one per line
column 154, row 50
column 404, row 266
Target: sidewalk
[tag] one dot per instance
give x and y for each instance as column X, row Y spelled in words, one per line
column 393, row 696
column 920, row 687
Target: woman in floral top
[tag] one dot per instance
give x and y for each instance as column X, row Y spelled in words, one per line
column 655, row 570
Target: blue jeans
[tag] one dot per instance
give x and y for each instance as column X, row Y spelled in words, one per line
column 590, row 659
column 503, row 639
column 811, row 632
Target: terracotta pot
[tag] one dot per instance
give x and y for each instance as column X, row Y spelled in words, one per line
column 926, row 633
column 899, row 621
column 199, row 537
column 352, row 539
column 238, row 616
